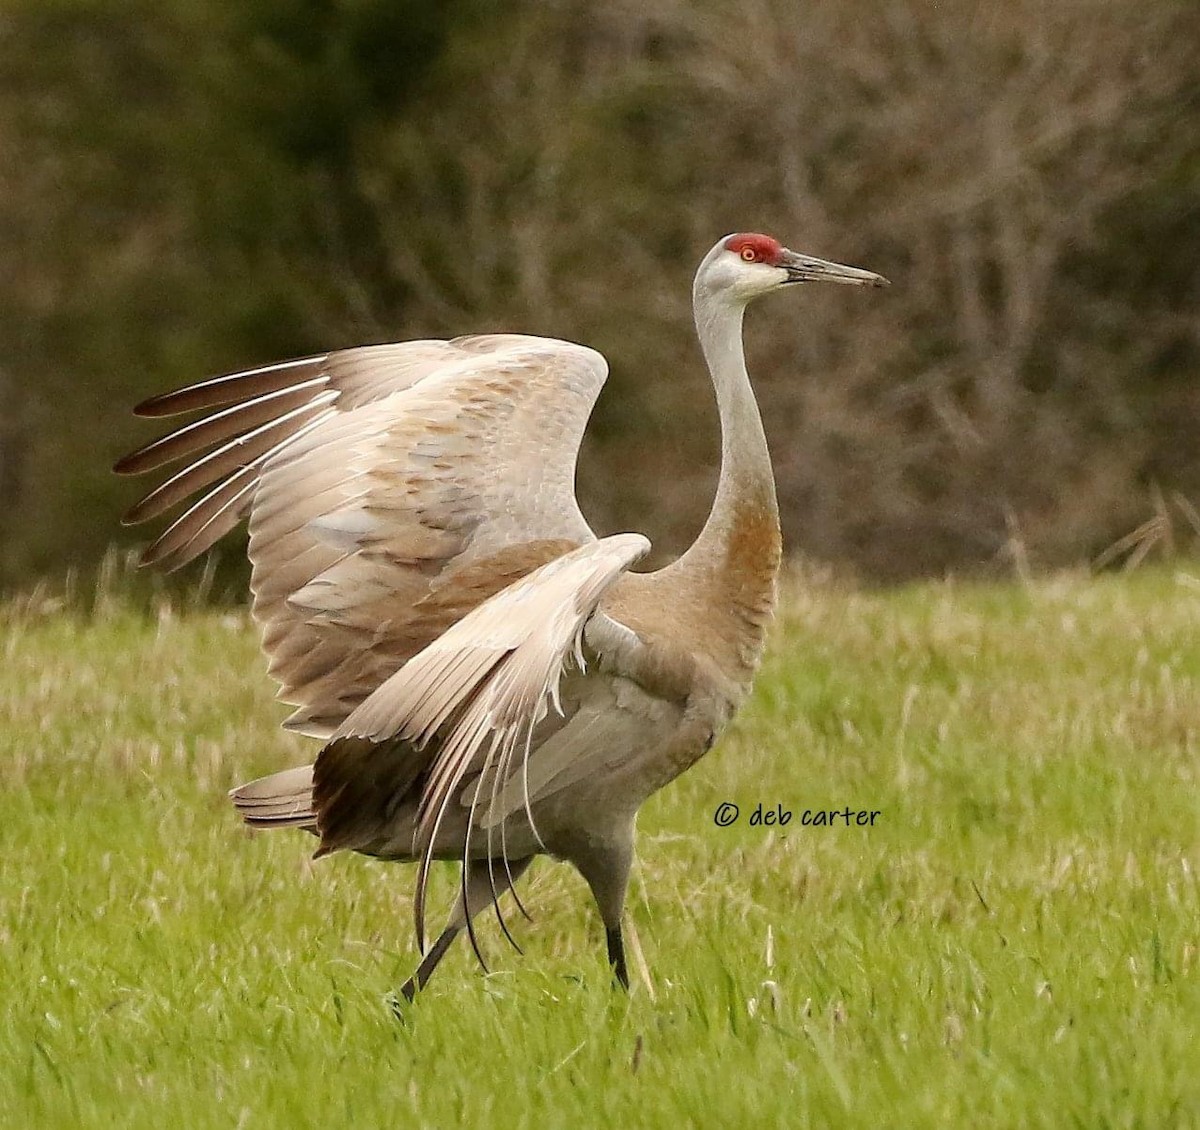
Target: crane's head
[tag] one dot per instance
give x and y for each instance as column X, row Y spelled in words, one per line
column 747, row 264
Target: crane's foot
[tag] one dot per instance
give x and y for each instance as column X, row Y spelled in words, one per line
column 616, row 955
column 429, row 963
column 397, row 1006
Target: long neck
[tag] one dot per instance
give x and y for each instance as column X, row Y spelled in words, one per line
column 738, row 552
column 747, row 483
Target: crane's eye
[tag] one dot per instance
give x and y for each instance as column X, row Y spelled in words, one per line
column 749, row 254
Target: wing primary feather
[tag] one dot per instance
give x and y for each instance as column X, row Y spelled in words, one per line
column 220, row 461
column 525, row 785
column 225, row 389
column 504, row 855
column 178, row 540
column 222, row 425
column 423, row 873
column 463, row 741
column 218, row 526
column 471, row 928
column 467, row 907
column 490, row 859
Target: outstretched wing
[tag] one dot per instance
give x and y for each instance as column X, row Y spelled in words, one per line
column 391, row 489
column 466, row 705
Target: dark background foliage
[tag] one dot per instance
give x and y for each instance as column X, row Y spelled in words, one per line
column 192, row 187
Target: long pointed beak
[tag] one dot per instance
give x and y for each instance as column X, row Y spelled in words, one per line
column 807, row 268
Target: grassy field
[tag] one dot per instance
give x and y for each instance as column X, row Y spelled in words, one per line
column 1014, row 942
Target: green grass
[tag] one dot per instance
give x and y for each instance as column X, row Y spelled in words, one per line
column 1015, row 941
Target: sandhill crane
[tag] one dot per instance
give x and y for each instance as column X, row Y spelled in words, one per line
column 489, row 679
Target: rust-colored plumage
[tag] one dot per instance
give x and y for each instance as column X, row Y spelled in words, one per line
column 489, row 680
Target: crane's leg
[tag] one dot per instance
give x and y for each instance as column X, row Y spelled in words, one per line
column 479, row 887
column 606, row 869
column 616, row 954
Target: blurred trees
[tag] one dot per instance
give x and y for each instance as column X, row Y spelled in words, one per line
column 192, row 187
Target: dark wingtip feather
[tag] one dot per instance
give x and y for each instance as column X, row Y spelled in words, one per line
column 151, row 407
column 231, row 387
column 127, row 464
column 156, row 555
column 146, row 458
column 137, row 513
column 223, row 426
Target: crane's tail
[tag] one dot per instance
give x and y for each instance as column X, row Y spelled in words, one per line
column 282, row 800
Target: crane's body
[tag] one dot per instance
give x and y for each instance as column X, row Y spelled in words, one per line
column 490, row 680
